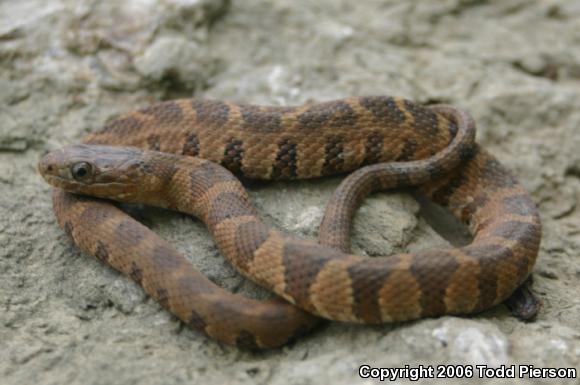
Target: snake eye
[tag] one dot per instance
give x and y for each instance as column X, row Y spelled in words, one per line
column 81, row 170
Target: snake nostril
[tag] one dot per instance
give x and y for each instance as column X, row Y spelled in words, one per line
column 44, row 166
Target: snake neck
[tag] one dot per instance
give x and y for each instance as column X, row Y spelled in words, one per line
column 214, row 193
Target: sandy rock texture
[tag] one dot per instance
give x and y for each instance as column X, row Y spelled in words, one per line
column 67, row 66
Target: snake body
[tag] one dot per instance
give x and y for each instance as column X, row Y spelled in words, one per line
column 389, row 141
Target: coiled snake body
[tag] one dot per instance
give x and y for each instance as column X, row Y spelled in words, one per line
column 398, row 142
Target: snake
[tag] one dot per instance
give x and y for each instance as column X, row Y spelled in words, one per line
column 187, row 155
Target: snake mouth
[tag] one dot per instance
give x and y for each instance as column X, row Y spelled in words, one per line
column 109, row 190
column 57, row 181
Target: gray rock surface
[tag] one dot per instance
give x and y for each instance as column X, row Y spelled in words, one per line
column 67, row 66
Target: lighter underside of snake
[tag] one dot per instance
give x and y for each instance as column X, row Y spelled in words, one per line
column 391, row 142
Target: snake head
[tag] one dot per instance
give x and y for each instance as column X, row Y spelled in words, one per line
column 103, row 171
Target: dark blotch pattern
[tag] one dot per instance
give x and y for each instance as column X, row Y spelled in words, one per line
column 488, row 257
column 433, row 286
column 166, row 112
column 122, row 126
column 164, row 171
column 207, row 175
column 228, row 205
column 384, row 109
column 233, row 155
column 195, row 285
column 523, row 232
column 444, row 193
column 373, row 148
column 452, row 129
column 303, row 261
column 330, row 114
column 166, row 259
column 93, row 216
column 434, row 171
column 367, row 281
column 408, row 151
column 191, row 145
column 131, row 233
column 102, row 253
column 425, row 120
column 467, row 152
column 211, row 112
column 496, row 175
column 285, row 164
column 263, row 119
column 333, row 156
column 520, row 205
column 248, row 238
